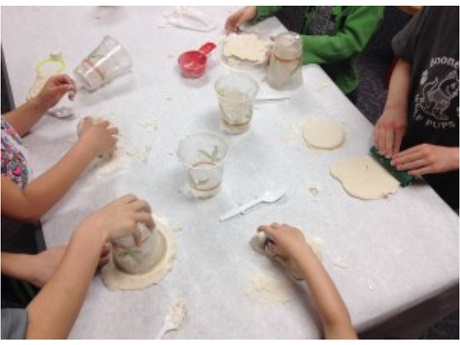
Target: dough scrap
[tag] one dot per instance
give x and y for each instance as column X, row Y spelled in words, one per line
column 179, row 312
column 322, row 133
column 246, row 47
column 364, row 178
column 115, row 279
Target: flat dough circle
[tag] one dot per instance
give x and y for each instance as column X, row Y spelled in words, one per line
column 115, row 279
column 323, row 133
column 364, row 178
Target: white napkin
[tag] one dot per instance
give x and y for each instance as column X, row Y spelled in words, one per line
column 186, row 17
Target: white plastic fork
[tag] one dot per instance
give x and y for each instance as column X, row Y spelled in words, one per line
column 267, row 197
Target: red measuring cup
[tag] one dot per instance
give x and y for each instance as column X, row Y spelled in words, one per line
column 193, row 62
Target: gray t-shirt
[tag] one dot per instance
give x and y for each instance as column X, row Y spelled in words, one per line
column 429, row 42
column 14, row 323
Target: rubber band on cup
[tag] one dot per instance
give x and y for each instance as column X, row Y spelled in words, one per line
column 93, row 66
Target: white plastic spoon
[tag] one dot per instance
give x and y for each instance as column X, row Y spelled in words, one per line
column 267, row 197
column 173, row 319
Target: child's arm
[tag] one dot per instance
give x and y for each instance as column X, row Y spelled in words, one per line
column 23, row 118
column 290, row 243
column 41, row 194
column 392, row 124
column 37, row 269
column 52, row 313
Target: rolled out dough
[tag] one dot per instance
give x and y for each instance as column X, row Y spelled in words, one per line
column 246, row 47
column 115, row 279
column 323, row 133
column 364, row 178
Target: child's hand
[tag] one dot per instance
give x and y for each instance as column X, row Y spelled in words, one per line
column 240, row 17
column 389, row 130
column 100, row 136
column 120, row 217
column 289, row 241
column 53, row 90
column 426, row 159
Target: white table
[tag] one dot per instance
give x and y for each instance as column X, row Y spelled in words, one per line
column 400, row 252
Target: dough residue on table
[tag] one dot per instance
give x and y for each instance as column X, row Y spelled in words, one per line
column 268, row 289
column 340, row 262
column 314, row 190
column 364, row 178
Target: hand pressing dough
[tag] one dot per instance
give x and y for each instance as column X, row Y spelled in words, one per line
column 246, row 47
column 81, row 126
column 364, row 178
column 322, row 133
column 258, row 243
column 115, row 279
column 87, row 120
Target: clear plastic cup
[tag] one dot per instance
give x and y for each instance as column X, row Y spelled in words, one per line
column 108, row 61
column 236, row 93
column 133, row 259
column 285, row 68
column 203, row 156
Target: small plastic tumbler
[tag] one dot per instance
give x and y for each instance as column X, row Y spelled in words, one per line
column 108, row 61
column 138, row 259
column 203, row 155
column 236, row 93
column 285, row 69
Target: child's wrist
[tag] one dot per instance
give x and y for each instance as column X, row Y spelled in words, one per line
column 38, row 105
column 88, row 145
column 402, row 106
column 302, row 254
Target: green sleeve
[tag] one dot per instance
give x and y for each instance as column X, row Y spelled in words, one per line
column 265, row 11
column 349, row 40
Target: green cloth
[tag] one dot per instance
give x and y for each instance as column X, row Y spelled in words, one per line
column 337, row 52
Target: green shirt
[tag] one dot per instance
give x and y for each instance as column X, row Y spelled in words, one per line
column 337, row 52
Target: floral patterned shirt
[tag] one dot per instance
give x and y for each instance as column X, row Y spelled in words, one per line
column 14, row 165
